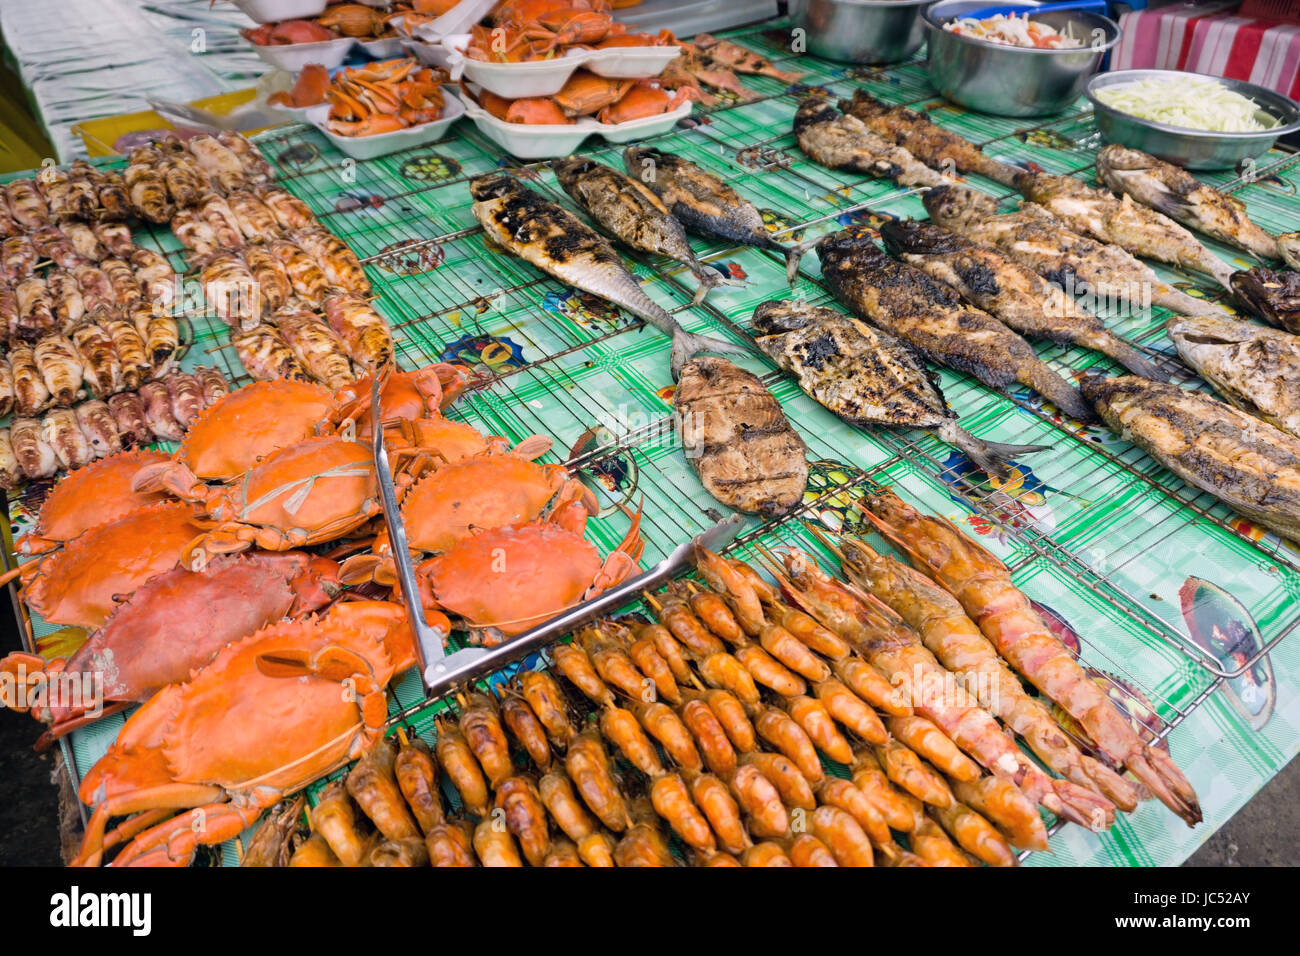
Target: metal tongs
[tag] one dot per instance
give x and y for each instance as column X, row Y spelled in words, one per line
column 440, row 671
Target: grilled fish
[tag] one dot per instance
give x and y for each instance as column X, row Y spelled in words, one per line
column 738, row 439
column 703, row 203
column 633, row 213
column 839, row 141
column 741, row 59
column 925, row 139
column 867, row 377
column 930, row 317
column 544, row 234
column 1180, row 196
column 1274, row 296
column 1036, row 238
column 1247, row 464
column 1288, row 247
column 1254, row 368
column 1008, row 290
column 1137, row 229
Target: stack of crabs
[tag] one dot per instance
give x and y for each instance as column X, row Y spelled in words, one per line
column 190, row 578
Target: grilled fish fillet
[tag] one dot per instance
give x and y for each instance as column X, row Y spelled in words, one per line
column 1247, row 464
column 930, row 317
column 738, row 439
column 925, row 139
column 1008, row 290
column 1037, row 239
column 1180, row 196
column 703, row 203
column 1137, row 229
column 838, row 141
column 1274, row 296
column 867, row 377
column 633, row 213
column 542, row 233
column 1254, row 368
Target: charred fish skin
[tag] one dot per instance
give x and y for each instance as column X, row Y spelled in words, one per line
column 839, row 141
column 1035, row 238
column 1254, row 368
column 1272, row 295
column 867, row 377
column 738, row 439
column 1175, row 192
column 1246, row 463
column 930, row 317
column 633, row 213
column 1139, row 230
column 702, row 202
column 926, row 140
column 1011, row 292
column 544, row 234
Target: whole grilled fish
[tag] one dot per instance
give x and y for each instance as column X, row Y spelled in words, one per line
column 1137, row 229
column 930, row 317
column 1179, row 195
column 1008, row 290
column 1247, row 464
column 738, row 439
column 1037, row 239
column 544, row 234
column 1272, row 295
column 1254, row 368
column 703, row 203
column 925, row 139
column 838, row 141
column 633, row 213
column 867, row 377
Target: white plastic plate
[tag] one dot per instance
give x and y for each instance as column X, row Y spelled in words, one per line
column 294, row 56
column 547, row 77
column 383, row 49
column 273, row 11
column 381, row 144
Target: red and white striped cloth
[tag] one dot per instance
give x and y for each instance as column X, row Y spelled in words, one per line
column 1209, row 39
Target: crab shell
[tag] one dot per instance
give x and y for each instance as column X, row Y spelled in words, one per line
column 309, row 493
column 489, row 491
column 264, row 717
column 231, row 434
column 99, row 492
column 405, row 395
column 82, row 583
column 179, row 620
column 508, row 580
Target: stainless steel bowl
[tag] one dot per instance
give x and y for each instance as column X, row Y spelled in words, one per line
column 861, row 31
column 1012, row 80
column 1193, row 148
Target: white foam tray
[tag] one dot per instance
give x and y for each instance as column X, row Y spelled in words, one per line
column 547, row 77
column 294, row 56
column 273, row 11
column 525, row 141
column 381, row 144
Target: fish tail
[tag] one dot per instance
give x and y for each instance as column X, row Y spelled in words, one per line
column 1043, row 380
column 1170, row 298
column 709, row 279
column 989, row 457
column 1221, row 271
column 793, row 256
column 1123, row 353
column 997, row 171
column 687, row 344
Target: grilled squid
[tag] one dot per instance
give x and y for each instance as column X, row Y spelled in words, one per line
column 60, row 368
column 517, row 799
column 494, row 844
column 568, row 812
column 524, row 726
column 417, row 777
column 158, row 412
column 30, row 392
column 100, row 429
column 128, row 414
column 316, row 346
column 266, row 356
column 622, row 729
column 35, row 457
column 335, row 819
column 364, row 332
column 462, row 769
column 186, row 397
column 547, row 702
column 588, row 767
column 62, row 432
column 102, row 367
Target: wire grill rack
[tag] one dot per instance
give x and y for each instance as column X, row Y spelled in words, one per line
column 573, row 360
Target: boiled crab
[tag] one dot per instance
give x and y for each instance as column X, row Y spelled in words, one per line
column 534, row 29
column 308, row 493
column 176, row 623
column 288, row 32
column 267, row 716
column 81, row 583
column 356, row 20
column 384, row 97
column 88, row 496
column 422, row 393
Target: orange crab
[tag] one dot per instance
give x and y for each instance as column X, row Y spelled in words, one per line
column 403, row 395
column 88, row 496
column 502, row 582
column 307, row 90
column 264, row 718
column 645, row 98
column 155, row 637
column 356, row 20
column 310, row 493
column 81, row 583
column 383, row 97
column 536, row 29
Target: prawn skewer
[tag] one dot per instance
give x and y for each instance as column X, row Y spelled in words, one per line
column 981, row 582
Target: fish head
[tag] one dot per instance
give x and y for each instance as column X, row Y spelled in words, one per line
column 493, row 186
column 569, row 169
column 953, row 203
column 1197, row 333
column 855, row 244
column 864, row 104
column 785, row 315
column 1117, row 158
column 908, row 235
